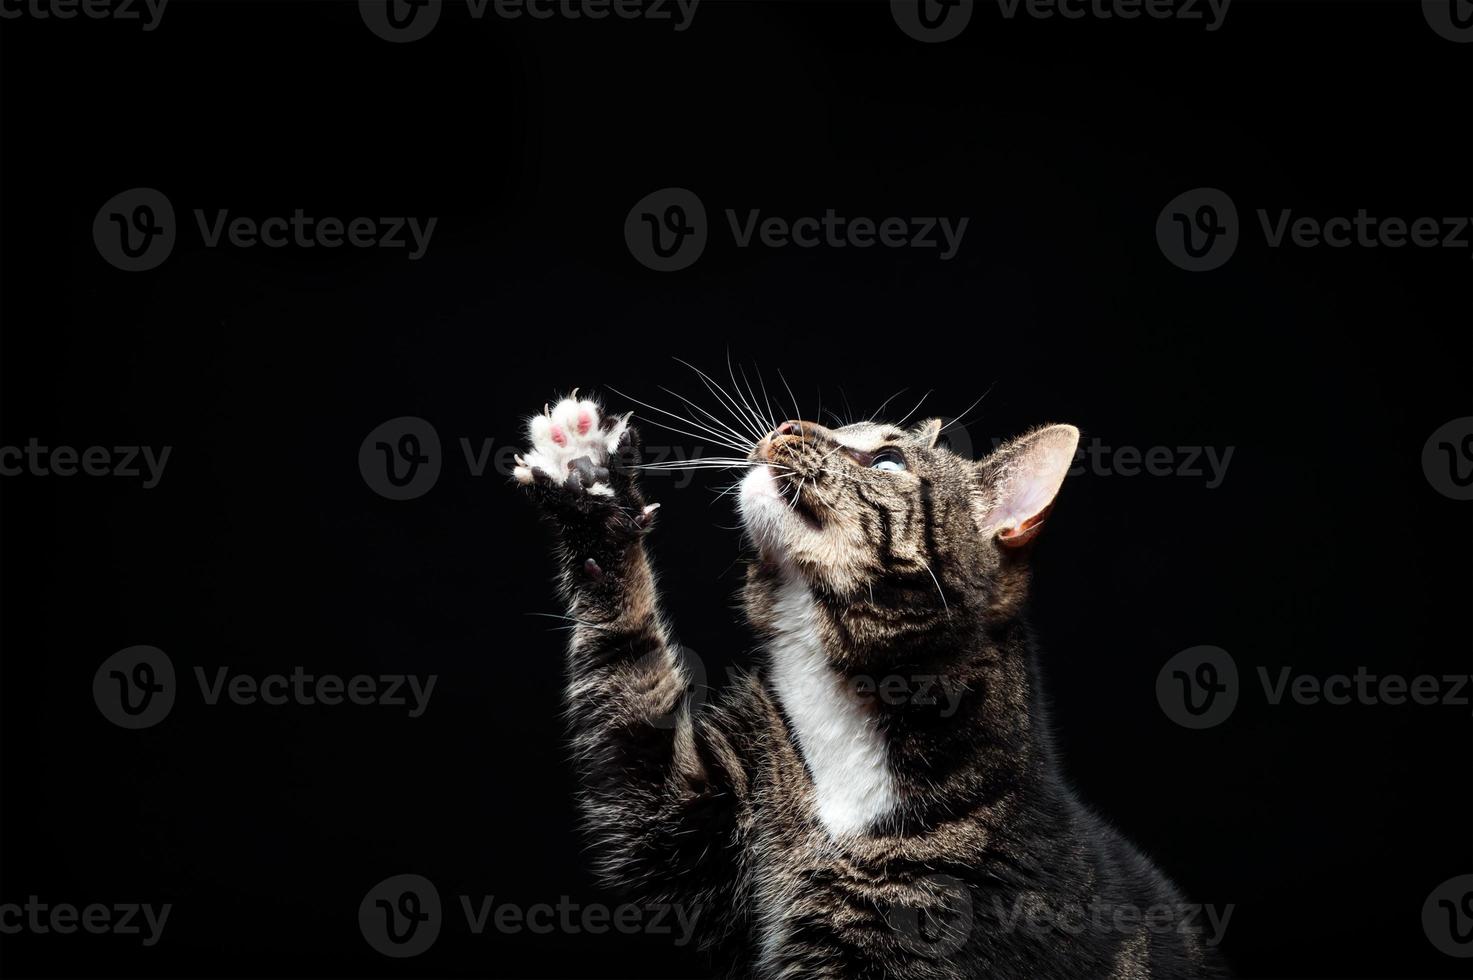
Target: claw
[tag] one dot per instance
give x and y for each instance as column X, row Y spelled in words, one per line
column 647, row 516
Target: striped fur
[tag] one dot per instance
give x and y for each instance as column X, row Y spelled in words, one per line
column 882, row 798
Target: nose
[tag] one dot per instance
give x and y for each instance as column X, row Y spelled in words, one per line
column 799, row 430
column 791, row 433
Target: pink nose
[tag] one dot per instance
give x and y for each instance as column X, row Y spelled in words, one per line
column 790, row 429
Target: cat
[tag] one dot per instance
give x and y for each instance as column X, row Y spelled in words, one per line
column 883, row 799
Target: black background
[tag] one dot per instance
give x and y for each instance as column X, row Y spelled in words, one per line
column 262, row 548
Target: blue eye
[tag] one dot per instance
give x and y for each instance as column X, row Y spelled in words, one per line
column 888, row 461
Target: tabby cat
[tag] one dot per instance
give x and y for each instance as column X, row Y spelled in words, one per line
column 882, row 799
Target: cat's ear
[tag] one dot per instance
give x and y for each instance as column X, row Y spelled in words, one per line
column 1020, row 481
column 927, row 431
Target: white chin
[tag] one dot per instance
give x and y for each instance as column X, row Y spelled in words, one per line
column 764, row 512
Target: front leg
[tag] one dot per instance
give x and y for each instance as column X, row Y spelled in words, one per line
column 581, row 469
column 661, row 785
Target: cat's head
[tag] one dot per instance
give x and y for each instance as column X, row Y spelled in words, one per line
column 893, row 522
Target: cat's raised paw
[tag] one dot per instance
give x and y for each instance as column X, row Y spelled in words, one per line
column 571, row 443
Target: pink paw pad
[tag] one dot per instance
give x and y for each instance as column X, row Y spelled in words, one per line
column 559, row 436
column 585, row 422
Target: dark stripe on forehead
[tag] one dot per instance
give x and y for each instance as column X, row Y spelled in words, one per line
column 887, row 532
column 928, row 508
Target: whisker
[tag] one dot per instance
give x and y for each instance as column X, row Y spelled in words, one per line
column 576, row 622
column 720, row 393
column 726, row 428
column 751, row 412
column 958, row 419
column 908, row 414
column 944, row 604
column 693, row 464
column 712, row 434
column 699, row 461
column 790, row 393
column 693, row 435
column 765, row 399
column 886, row 402
column 672, row 467
column 756, row 409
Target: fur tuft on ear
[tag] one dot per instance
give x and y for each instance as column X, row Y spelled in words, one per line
column 1021, row 480
column 927, row 431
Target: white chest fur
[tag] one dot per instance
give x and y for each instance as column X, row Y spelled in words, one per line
column 838, row 734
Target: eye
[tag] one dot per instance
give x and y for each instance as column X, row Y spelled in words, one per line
column 888, row 460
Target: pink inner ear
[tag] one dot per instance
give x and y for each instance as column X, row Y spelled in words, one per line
column 1032, row 479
